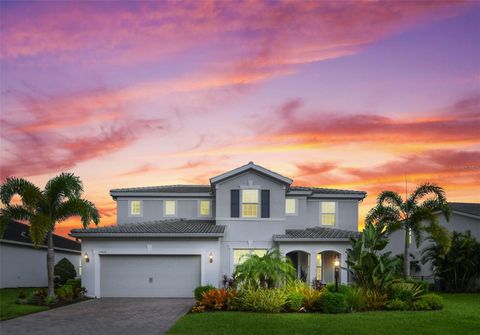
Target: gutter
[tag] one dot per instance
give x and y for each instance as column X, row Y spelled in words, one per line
column 73, row 251
column 80, row 234
column 310, row 239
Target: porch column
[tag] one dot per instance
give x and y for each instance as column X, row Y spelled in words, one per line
column 312, row 273
column 343, row 268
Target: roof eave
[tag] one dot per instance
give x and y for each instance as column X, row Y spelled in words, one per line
column 247, row 167
column 310, row 239
column 337, row 196
column 123, row 235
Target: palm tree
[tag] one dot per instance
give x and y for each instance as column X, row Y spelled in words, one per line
column 393, row 213
column 60, row 200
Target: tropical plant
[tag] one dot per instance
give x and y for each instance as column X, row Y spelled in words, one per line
column 295, row 301
column 429, row 301
column 459, row 266
column 406, row 291
column 199, row 290
column 309, row 293
column 355, row 299
column 414, row 214
column 263, row 300
column 216, row 299
column 43, row 209
column 268, row 271
column 371, row 268
column 332, row 302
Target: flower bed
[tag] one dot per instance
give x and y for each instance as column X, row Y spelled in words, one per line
column 299, row 297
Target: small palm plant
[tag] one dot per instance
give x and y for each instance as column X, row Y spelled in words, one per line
column 43, row 209
column 393, row 213
column 268, row 271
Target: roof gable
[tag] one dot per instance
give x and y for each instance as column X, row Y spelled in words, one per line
column 251, row 167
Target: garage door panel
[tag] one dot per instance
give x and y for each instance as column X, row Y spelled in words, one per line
column 149, row 275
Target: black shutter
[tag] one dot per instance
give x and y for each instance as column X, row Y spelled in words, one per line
column 265, row 203
column 235, row 203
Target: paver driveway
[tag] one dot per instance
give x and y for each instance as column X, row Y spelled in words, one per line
column 142, row 316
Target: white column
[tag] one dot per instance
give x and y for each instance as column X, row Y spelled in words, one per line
column 343, row 265
column 313, row 267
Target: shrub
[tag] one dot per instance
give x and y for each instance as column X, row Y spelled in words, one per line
column 355, row 299
column 65, row 293
column 198, row 292
column 405, row 291
column 310, row 295
column 38, row 297
column 342, row 288
column 429, row 301
column 422, row 284
column 198, row 309
column 51, row 301
column 397, row 305
column 63, row 271
column 263, row 300
column 215, row 299
column 332, row 302
column 78, row 290
column 295, row 301
column 21, row 297
column 375, row 300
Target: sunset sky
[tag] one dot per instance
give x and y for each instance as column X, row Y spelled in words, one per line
column 332, row 94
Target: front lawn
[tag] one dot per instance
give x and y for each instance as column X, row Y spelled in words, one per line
column 8, row 303
column 460, row 315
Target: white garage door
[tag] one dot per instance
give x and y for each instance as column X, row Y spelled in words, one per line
column 172, row 276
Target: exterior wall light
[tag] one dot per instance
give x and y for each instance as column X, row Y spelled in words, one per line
column 336, row 262
column 210, row 257
column 87, row 259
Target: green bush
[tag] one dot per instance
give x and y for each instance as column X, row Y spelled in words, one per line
column 65, row 293
column 50, row 301
column 198, row 292
column 295, row 301
column 63, row 271
column 422, row 284
column 429, row 301
column 263, row 300
column 355, row 299
column 332, row 302
column 342, row 288
column 38, row 297
column 397, row 305
column 310, row 295
column 406, row 291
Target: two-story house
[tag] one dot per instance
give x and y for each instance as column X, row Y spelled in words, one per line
column 170, row 239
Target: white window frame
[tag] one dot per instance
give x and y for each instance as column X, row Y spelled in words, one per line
column 165, row 208
column 130, row 214
column 336, row 213
column 199, row 205
column 258, row 203
column 296, row 207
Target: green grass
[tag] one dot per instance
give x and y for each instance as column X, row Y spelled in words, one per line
column 8, row 303
column 460, row 315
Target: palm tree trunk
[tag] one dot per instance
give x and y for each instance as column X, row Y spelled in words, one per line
column 406, row 254
column 50, row 264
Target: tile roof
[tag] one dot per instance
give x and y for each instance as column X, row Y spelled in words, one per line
column 316, row 233
column 465, row 207
column 19, row 232
column 325, row 190
column 167, row 189
column 173, row 227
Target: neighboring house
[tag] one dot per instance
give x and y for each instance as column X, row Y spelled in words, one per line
column 170, row 239
column 465, row 216
column 24, row 265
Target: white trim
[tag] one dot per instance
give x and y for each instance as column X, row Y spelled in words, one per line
column 249, row 219
column 258, row 203
column 296, row 206
column 199, row 214
column 165, row 208
column 130, row 215
column 159, row 195
column 247, row 167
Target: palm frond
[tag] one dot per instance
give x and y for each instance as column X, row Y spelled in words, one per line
column 78, row 207
column 384, row 216
column 65, row 185
column 425, row 190
column 391, row 198
column 16, row 212
column 29, row 193
column 40, row 225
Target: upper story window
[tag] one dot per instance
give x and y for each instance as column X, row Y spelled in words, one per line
column 170, row 207
column 290, row 206
column 328, row 213
column 135, row 207
column 204, row 207
column 250, row 203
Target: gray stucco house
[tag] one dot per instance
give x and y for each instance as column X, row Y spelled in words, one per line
column 170, row 239
column 465, row 216
column 24, row 265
